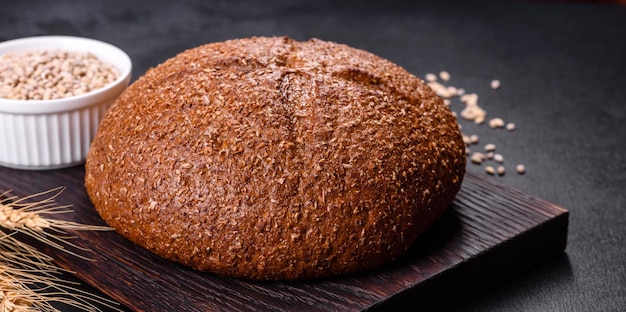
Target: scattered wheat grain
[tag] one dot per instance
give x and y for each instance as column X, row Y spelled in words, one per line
column 444, row 75
column 501, row 170
column 474, row 138
column 490, row 170
column 490, row 147
column 496, row 123
column 510, row 126
column 477, row 158
column 495, row 84
column 430, row 77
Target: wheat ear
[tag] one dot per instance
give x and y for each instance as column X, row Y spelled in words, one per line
column 32, row 215
column 29, row 279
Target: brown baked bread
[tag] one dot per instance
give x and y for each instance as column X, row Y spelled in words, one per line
column 269, row 158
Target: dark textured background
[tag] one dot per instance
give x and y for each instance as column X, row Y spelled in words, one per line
column 563, row 72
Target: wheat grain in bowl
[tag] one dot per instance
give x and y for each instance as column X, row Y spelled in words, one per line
column 52, row 74
column 61, row 87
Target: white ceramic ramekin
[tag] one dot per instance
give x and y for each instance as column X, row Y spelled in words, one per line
column 50, row 134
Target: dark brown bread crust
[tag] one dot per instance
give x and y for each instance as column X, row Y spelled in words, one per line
column 268, row 158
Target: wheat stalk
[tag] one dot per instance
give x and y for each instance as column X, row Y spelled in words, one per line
column 29, row 280
column 15, row 293
column 35, row 288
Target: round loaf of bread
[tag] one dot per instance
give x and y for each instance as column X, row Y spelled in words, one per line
column 274, row 159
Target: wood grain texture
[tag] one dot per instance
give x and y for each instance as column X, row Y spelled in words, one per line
column 492, row 232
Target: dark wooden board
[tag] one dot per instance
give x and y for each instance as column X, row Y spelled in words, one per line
column 492, row 232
